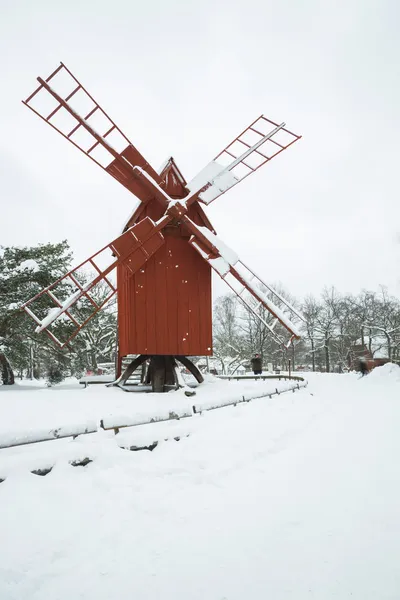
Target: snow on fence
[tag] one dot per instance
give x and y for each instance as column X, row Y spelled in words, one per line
column 262, row 377
column 240, row 397
column 117, row 422
column 8, row 440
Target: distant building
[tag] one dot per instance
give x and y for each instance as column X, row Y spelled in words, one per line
column 359, row 351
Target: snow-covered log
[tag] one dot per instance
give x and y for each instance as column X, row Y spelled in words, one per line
column 18, row 438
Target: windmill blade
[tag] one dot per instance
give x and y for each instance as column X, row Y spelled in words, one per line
column 244, row 282
column 132, row 250
column 69, row 108
column 261, row 141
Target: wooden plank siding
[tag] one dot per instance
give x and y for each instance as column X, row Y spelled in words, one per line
column 166, row 309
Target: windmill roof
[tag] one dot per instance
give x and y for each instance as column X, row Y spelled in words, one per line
column 170, row 165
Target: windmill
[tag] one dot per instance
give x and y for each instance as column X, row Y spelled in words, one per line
column 161, row 264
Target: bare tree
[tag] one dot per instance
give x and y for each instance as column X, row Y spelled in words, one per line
column 386, row 321
column 227, row 343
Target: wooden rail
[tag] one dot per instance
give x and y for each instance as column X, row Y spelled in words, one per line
column 262, row 377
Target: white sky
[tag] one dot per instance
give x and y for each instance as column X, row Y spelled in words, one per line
column 184, row 79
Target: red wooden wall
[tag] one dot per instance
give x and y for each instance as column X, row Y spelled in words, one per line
column 166, row 307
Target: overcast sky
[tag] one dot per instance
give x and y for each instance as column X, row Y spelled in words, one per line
column 184, row 78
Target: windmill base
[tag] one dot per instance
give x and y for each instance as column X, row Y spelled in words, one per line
column 162, row 372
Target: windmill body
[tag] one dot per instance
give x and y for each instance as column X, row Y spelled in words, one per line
column 162, row 262
column 165, row 307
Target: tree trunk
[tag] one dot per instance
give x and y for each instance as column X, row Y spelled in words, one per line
column 389, row 346
column 7, row 374
column 313, row 354
column 93, row 361
column 327, row 361
column 36, row 371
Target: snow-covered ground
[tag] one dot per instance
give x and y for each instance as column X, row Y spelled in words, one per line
column 32, row 415
column 294, row 496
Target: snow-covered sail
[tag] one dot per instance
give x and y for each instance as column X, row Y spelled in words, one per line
column 249, row 151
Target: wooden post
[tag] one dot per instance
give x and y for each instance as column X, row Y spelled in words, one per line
column 290, row 365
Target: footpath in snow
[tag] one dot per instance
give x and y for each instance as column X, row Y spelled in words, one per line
column 294, row 496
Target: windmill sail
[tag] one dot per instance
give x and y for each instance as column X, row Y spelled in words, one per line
column 132, row 249
column 245, row 283
column 63, row 103
column 261, row 141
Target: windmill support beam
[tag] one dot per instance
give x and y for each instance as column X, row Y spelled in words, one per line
column 162, row 372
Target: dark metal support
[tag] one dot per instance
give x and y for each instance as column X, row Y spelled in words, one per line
column 160, row 373
column 129, row 370
column 191, row 367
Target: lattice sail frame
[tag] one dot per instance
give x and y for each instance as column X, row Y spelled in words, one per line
column 250, row 150
column 72, row 92
column 132, row 249
column 246, row 284
column 69, row 109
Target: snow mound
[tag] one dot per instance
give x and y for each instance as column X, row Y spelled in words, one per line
column 389, row 370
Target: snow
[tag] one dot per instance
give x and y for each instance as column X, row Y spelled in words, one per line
column 220, row 265
column 290, row 497
column 30, row 436
column 389, row 371
column 205, row 175
column 14, row 306
column 29, row 264
column 227, row 254
column 54, row 313
column 219, row 178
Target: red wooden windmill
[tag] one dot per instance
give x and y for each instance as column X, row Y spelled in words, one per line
column 164, row 258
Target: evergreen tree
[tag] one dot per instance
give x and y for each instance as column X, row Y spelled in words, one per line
column 55, row 373
column 24, row 272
